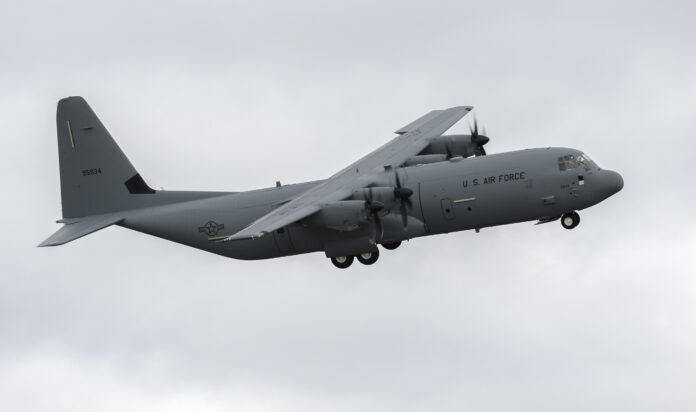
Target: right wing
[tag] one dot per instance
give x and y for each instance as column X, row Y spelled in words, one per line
column 412, row 140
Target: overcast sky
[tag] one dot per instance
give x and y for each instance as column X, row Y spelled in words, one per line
column 236, row 95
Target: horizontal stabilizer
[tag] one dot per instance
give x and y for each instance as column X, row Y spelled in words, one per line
column 76, row 228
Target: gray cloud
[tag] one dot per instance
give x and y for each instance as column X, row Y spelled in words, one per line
column 200, row 95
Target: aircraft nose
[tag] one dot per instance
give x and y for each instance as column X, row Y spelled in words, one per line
column 616, row 181
column 613, row 182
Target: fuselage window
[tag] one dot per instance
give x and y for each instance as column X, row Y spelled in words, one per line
column 568, row 162
column 571, row 162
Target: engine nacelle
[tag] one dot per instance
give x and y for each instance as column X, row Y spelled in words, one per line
column 425, row 159
column 343, row 215
column 454, row 144
column 382, row 194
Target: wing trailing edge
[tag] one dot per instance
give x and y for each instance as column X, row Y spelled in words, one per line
column 414, row 138
column 252, row 232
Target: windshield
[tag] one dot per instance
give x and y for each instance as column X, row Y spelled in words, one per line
column 570, row 162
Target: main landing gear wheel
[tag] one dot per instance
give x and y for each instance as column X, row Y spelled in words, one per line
column 368, row 258
column 570, row 220
column 342, row 262
column 391, row 246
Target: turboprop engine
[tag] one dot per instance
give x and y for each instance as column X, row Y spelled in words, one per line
column 453, row 145
column 463, row 145
column 343, row 215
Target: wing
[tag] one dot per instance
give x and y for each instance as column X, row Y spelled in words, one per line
column 412, row 140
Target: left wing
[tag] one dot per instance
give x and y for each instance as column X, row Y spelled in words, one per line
column 414, row 138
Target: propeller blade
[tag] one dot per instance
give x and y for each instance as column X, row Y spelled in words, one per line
column 474, row 129
column 478, row 139
column 404, row 215
column 401, row 192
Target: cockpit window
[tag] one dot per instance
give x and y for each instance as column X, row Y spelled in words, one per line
column 570, row 162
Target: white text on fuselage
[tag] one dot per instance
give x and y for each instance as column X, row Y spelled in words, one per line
column 507, row 177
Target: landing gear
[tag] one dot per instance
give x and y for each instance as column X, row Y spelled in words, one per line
column 570, row 220
column 391, row 245
column 368, row 258
column 342, row 262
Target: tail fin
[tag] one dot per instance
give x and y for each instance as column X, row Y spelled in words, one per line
column 95, row 176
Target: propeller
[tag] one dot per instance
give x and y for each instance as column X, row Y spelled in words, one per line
column 403, row 194
column 448, row 149
column 374, row 207
column 479, row 139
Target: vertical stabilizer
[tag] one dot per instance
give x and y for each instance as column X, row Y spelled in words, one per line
column 95, row 176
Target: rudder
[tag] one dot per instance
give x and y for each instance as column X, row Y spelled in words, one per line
column 95, row 176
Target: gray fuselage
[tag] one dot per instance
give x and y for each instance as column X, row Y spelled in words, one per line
column 448, row 196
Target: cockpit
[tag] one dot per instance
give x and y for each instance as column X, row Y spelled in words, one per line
column 571, row 162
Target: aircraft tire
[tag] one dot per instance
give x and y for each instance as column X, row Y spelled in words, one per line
column 342, row 262
column 391, row 245
column 368, row 258
column 570, row 220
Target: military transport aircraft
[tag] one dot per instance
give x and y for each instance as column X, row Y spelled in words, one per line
column 418, row 184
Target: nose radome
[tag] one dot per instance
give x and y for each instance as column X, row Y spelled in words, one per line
column 619, row 183
column 614, row 182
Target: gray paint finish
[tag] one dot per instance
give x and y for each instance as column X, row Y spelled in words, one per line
column 375, row 200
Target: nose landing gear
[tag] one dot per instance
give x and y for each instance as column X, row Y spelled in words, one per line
column 570, row 220
column 391, row 245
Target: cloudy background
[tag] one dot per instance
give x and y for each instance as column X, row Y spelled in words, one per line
column 236, row 95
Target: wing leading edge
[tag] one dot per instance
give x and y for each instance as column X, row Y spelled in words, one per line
column 412, row 140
